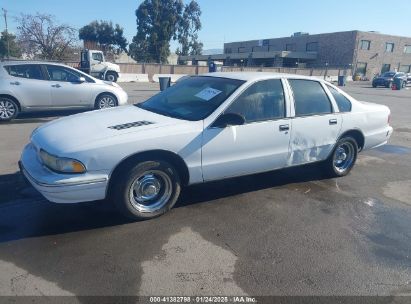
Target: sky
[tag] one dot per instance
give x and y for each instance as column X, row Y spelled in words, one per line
column 236, row 20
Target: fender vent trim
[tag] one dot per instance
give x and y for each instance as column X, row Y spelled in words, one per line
column 131, row 125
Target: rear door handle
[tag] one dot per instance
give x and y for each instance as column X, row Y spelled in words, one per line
column 15, row 83
column 56, row 86
column 333, row 121
column 284, row 128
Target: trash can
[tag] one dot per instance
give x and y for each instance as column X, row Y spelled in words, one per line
column 165, row 82
column 398, row 83
column 212, row 67
column 342, row 81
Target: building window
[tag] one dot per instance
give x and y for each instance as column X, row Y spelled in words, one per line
column 365, row 44
column 405, row 69
column 266, row 42
column 290, row 47
column 241, row 49
column 385, row 68
column 312, row 47
column 407, row 49
column 228, row 50
column 389, row 47
column 361, row 68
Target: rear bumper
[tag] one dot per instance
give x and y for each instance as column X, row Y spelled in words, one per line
column 377, row 139
column 61, row 188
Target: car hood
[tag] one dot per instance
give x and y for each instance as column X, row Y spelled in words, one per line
column 64, row 134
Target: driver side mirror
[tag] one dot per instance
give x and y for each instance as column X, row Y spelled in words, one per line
column 81, row 80
column 229, row 119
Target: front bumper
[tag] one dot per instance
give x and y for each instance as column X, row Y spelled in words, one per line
column 122, row 98
column 61, row 188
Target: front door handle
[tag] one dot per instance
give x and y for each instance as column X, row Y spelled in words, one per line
column 333, row 121
column 15, row 83
column 284, row 128
column 56, row 86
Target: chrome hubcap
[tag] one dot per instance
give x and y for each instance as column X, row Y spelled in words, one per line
column 150, row 191
column 344, row 157
column 7, row 109
column 107, row 102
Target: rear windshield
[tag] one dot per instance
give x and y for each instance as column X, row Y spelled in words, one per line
column 193, row 98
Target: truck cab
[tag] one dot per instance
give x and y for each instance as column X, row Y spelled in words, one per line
column 93, row 63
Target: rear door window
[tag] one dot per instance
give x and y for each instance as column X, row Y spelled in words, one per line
column 29, row 71
column 344, row 105
column 309, row 98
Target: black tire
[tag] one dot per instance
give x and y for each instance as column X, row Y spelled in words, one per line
column 374, row 85
column 111, row 76
column 388, row 85
column 105, row 100
column 147, row 190
column 336, row 165
column 9, row 109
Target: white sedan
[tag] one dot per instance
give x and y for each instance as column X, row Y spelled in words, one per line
column 204, row 128
column 27, row 86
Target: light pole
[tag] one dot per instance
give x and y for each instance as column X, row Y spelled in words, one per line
column 7, row 32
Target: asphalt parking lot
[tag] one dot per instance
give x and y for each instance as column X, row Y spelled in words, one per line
column 289, row 232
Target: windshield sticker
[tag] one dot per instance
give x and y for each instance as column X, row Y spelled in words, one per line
column 208, row 94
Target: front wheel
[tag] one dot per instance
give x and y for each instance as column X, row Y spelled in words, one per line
column 147, row 190
column 105, row 101
column 343, row 157
column 111, row 76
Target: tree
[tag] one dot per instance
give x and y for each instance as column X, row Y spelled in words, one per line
column 160, row 21
column 157, row 24
column 105, row 34
column 8, row 41
column 41, row 36
column 190, row 25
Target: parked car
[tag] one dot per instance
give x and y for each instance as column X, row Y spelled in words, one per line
column 33, row 86
column 386, row 79
column 408, row 78
column 204, row 128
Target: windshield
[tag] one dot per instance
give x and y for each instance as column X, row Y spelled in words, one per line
column 388, row 74
column 193, row 98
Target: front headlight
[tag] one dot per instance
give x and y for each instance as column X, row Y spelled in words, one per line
column 61, row 164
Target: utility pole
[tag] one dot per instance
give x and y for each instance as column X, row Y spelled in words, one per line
column 7, row 32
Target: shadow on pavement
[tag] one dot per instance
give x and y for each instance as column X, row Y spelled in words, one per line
column 28, row 214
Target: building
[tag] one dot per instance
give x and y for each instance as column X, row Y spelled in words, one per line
column 365, row 53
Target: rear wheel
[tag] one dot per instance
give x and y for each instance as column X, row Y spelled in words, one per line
column 388, row 85
column 8, row 109
column 343, row 157
column 147, row 190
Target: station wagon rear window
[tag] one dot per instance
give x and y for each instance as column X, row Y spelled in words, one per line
column 193, row 98
column 29, row 71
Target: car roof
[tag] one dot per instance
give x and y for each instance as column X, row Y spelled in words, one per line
column 253, row 76
column 21, row 62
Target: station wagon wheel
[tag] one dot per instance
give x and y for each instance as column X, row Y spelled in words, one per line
column 147, row 190
column 105, row 101
column 343, row 157
column 8, row 109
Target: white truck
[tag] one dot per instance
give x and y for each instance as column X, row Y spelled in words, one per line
column 93, row 63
